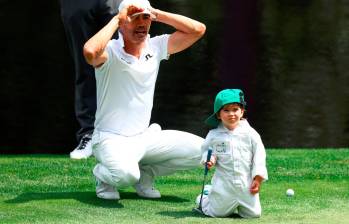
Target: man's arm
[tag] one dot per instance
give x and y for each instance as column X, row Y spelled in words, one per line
column 94, row 49
column 188, row 30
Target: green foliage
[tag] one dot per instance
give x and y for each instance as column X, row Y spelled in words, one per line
column 55, row 189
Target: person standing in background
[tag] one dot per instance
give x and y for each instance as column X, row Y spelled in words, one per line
column 82, row 19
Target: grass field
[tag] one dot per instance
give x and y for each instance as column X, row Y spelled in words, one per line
column 55, row 189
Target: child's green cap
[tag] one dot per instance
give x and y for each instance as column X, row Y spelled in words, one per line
column 224, row 97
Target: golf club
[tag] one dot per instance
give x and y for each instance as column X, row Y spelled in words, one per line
column 209, row 153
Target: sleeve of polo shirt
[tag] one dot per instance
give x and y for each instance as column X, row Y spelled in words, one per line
column 111, row 55
column 159, row 44
column 259, row 157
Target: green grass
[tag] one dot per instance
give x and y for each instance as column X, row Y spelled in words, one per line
column 55, row 189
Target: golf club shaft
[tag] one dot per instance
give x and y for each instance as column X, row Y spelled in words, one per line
column 208, row 158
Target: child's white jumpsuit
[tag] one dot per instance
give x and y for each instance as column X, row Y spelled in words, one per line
column 240, row 157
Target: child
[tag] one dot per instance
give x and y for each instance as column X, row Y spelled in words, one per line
column 239, row 156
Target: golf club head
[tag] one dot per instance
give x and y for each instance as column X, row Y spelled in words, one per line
column 198, row 210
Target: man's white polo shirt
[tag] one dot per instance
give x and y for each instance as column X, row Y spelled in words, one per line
column 125, row 86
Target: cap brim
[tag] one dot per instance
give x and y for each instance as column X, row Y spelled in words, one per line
column 146, row 11
column 212, row 120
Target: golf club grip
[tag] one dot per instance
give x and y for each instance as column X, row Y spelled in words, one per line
column 209, row 153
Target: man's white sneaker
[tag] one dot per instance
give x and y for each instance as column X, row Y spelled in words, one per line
column 147, row 192
column 84, row 149
column 145, row 186
column 106, row 191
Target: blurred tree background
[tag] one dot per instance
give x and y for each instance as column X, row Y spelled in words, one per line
column 289, row 56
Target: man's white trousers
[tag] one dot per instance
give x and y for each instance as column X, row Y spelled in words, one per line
column 154, row 153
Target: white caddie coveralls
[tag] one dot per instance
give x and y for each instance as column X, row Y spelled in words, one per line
column 122, row 142
column 240, row 157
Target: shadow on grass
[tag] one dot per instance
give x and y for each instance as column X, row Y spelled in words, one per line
column 181, row 214
column 192, row 213
column 87, row 198
column 164, row 198
column 83, row 197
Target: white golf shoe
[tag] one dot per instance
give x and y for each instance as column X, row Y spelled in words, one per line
column 106, row 191
column 147, row 192
column 197, row 200
column 84, row 149
column 145, row 187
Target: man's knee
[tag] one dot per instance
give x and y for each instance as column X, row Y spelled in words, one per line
column 192, row 144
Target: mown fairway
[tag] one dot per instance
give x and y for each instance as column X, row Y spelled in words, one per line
column 55, row 189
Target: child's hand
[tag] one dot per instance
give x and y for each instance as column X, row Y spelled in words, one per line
column 256, row 185
column 212, row 162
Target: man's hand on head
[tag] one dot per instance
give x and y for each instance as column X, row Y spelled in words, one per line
column 154, row 13
column 133, row 9
column 126, row 13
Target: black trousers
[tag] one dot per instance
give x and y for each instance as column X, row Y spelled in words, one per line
column 82, row 19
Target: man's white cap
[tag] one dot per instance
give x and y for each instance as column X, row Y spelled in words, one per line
column 145, row 4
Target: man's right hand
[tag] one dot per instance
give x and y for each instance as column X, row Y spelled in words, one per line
column 126, row 13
